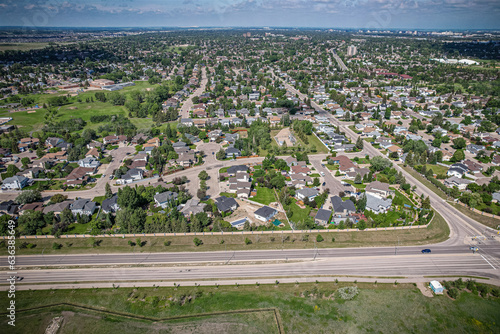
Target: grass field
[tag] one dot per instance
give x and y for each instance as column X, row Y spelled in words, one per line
column 264, row 196
column 298, row 213
column 437, row 231
column 303, row 308
column 437, row 169
column 22, row 46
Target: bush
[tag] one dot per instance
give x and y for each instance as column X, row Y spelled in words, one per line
column 55, row 245
column 197, row 242
column 333, row 239
column 248, row 241
column 348, row 293
column 319, row 238
column 453, row 293
column 167, row 243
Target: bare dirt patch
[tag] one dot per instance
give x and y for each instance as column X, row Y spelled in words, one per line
column 424, row 289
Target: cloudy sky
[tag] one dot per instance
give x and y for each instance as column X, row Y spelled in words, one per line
column 381, row 14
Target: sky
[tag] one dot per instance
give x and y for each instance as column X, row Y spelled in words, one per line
column 367, row 14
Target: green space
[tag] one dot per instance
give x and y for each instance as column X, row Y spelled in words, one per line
column 299, row 214
column 437, row 169
column 264, row 196
column 424, row 181
column 22, row 46
column 301, row 308
column 437, row 231
column 357, row 186
column 314, row 174
column 233, row 195
column 405, row 200
column 485, row 220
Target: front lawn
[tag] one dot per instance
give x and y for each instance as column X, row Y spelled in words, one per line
column 299, row 214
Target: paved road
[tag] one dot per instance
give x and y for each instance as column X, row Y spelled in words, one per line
column 133, row 258
column 186, row 106
column 389, row 265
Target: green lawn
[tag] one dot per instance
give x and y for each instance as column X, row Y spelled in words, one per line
column 77, row 228
column 302, row 308
column 424, row 181
column 299, row 214
column 228, row 194
column 264, row 196
column 437, row 169
column 357, row 186
column 398, row 194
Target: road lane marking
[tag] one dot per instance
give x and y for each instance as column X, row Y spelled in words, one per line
column 488, row 262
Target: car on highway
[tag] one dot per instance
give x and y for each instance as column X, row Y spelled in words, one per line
column 425, row 251
column 474, row 248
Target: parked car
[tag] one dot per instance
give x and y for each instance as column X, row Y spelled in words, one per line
column 111, row 177
column 425, row 251
column 322, row 173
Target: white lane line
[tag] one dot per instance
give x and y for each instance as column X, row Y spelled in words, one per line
column 488, row 262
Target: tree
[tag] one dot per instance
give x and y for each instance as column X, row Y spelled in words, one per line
column 28, row 196
column 358, row 179
column 221, row 155
column 316, row 182
column 58, row 198
column 203, row 175
column 426, row 203
column 361, row 204
column 25, row 161
column 379, row 163
column 127, row 198
column 459, row 143
column 458, row 156
column 108, row 192
column 359, row 143
column 201, row 193
column 319, row 238
column 362, row 224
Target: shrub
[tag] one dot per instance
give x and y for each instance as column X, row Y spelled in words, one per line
column 248, row 241
column 55, row 245
column 453, row 293
column 333, row 239
column 319, row 238
column 167, row 243
column 348, row 293
column 197, row 242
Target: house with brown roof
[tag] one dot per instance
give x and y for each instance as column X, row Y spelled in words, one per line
column 93, row 152
column 79, row 175
column 345, row 164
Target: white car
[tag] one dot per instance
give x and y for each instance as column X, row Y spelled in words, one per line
column 322, row 173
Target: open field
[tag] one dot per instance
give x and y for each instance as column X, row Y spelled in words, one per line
column 437, row 231
column 22, row 46
column 303, row 308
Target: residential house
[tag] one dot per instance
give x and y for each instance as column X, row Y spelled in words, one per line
column 231, row 171
column 226, row 204
column 110, row 205
column 232, row 152
column 458, row 182
column 89, row 162
column 474, row 149
column 457, row 170
column 379, row 189
column 15, row 182
column 473, row 166
column 322, row 217
column 341, row 207
column 265, row 213
column 192, row 207
column 8, row 208
column 132, row 175
column 83, row 206
column 377, row 204
column 309, row 193
column 165, row 198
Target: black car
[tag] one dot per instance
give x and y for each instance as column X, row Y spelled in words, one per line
column 427, row 250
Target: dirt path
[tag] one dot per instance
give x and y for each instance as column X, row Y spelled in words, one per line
column 426, row 291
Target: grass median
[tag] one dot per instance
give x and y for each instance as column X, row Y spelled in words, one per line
column 301, row 308
column 437, row 231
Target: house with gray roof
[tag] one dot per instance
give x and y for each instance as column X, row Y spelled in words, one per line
column 165, row 198
column 15, row 182
column 83, row 206
column 265, row 213
column 309, row 193
column 323, row 217
column 377, row 204
column 110, row 205
column 341, row 207
column 226, row 204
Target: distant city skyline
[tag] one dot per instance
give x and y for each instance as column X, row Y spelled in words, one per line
column 366, row 14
